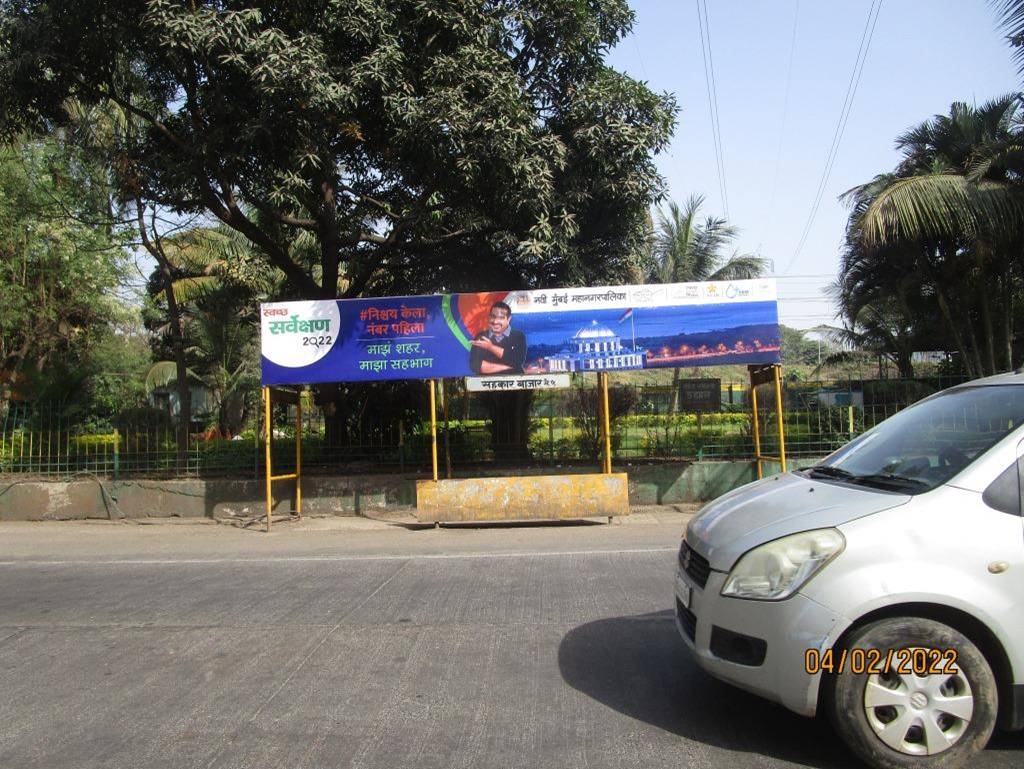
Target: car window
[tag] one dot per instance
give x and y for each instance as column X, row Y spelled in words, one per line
column 1003, row 494
column 927, row 444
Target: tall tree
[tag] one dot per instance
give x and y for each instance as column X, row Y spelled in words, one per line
column 432, row 146
column 61, row 258
column 951, row 217
column 216, row 284
column 686, row 249
column 1011, row 19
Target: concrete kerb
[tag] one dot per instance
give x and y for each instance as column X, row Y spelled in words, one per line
column 366, row 495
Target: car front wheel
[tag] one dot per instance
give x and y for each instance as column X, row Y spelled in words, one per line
column 932, row 717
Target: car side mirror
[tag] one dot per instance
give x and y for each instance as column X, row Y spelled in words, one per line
column 1004, row 493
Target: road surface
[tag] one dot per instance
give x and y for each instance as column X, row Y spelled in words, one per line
column 369, row 645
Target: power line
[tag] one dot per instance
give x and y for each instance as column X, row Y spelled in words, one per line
column 844, row 115
column 709, row 80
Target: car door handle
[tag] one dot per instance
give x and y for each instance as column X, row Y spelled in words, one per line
column 998, row 567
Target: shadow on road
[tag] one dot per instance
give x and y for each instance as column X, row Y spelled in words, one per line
column 639, row 667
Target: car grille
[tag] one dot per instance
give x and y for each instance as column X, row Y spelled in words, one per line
column 688, row 620
column 694, row 564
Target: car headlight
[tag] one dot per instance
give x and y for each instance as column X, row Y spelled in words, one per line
column 777, row 569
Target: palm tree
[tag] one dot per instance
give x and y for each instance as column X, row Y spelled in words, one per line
column 225, row 346
column 685, row 249
column 216, row 283
column 951, row 216
column 1011, row 19
column 960, row 176
column 883, row 329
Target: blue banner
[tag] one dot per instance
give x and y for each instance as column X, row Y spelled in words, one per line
column 520, row 333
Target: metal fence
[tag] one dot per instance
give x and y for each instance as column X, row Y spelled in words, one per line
column 560, row 427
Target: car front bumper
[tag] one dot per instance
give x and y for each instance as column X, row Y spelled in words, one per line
column 787, row 627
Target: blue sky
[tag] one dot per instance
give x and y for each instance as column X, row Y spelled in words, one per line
column 924, row 55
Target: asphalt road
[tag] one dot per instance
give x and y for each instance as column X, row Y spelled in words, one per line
column 203, row 646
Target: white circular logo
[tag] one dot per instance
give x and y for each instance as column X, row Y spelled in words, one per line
column 296, row 334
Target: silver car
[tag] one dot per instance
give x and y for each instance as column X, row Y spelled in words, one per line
column 884, row 585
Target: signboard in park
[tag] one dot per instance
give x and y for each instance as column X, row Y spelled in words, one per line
column 700, row 395
column 528, row 333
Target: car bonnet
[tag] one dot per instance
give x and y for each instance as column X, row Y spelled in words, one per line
column 776, row 507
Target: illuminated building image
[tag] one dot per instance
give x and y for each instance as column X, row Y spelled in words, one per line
column 595, row 348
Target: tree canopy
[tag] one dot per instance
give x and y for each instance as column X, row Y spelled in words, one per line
column 379, row 146
column 686, row 249
column 932, row 252
column 60, row 261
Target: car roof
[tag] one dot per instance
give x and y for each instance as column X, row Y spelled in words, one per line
column 1010, row 378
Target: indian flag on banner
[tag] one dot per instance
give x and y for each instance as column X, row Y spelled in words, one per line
column 627, row 314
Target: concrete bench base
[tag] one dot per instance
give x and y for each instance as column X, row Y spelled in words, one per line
column 522, row 498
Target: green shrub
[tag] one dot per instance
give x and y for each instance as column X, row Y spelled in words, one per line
column 93, row 443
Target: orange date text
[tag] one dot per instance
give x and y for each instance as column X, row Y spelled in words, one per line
column 918, row 661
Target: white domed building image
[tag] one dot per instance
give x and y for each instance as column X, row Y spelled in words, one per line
column 595, row 348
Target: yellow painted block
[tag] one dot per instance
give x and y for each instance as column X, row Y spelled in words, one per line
column 522, row 498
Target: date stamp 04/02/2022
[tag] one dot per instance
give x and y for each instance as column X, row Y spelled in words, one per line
column 916, row 661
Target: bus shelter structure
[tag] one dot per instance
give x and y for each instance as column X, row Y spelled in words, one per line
column 583, row 495
column 270, row 396
column 474, row 499
column 525, row 497
column 762, row 375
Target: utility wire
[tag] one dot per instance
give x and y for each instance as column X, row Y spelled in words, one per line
column 837, row 135
column 709, row 80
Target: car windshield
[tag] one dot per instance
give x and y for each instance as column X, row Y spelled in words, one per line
column 924, row 446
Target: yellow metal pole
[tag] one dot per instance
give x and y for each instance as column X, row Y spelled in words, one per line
column 433, row 427
column 266, row 448
column 298, row 456
column 606, row 418
column 757, row 429
column 600, row 418
column 447, row 436
column 777, row 370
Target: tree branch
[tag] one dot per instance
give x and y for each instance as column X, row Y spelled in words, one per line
column 149, row 117
column 234, row 218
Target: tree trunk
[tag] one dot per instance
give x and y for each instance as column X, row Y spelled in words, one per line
column 954, row 330
column 5, row 400
column 904, row 364
column 985, row 303
column 947, row 316
column 330, row 398
column 177, row 337
column 180, row 370
column 975, row 348
column 510, row 424
column 1008, row 316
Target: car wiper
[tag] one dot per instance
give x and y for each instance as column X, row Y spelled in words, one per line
column 890, row 479
column 831, row 472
